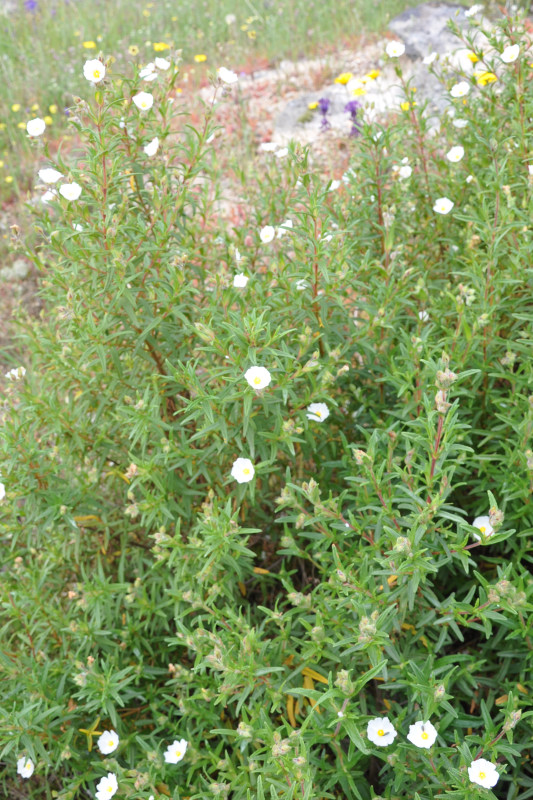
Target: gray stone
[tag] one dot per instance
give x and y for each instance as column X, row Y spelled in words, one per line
column 424, row 29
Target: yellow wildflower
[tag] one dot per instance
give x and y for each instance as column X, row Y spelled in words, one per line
column 146, row 13
column 358, row 91
column 89, row 45
column 244, row 27
column 133, row 50
column 313, row 105
column 200, row 57
column 252, row 34
column 373, row 74
column 405, row 106
column 9, row 179
column 52, row 109
column 485, row 77
column 21, row 125
column 2, row 126
column 15, row 107
column 48, row 120
column 174, row 19
column 159, row 47
column 472, row 57
column 35, row 107
column 344, row 77
column 1, row 164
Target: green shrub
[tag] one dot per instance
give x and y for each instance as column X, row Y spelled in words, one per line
column 270, row 622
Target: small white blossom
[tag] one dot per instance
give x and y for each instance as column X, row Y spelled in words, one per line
column 15, row 374
column 108, row 742
column 70, row 191
column 242, row 470
column 36, row 127
column 175, row 751
column 460, row 123
column 422, row 734
column 282, row 152
column 510, row 53
column 152, row 147
column 455, row 154
column 258, row 377
column 301, row 285
column 143, row 100
column 473, row 10
column 395, row 49
column 148, row 72
column 405, row 171
column 284, row 227
column 469, row 178
column 240, row 280
column 482, row 524
column 94, row 70
column 317, row 412
column 530, row 169
column 47, row 196
column 429, row 59
column 267, row 234
column 381, row 731
column 334, row 185
column 483, row 772
column 268, row 147
column 227, row 76
column 460, row 89
column 423, row 316
column 162, row 63
column 443, row 205
column 25, row 767
column 49, row 175
column 107, row 787
column 2, row 492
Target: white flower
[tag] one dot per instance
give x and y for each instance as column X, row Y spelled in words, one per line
column 473, row 10
column 15, row 374
column 25, row 767
column 108, row 742
column 47, row 196
column 282, row 152
column 422, row 734
column 2, row 495
column 429, row 59
column 35, row 127
column 152, row 147
column 144, row 100
column 443, row 205
column 301, row 285
column 405, row 171
column 334, row 185
column 510, row 53
column 460, row 123
column 455, row 154
column 268, row 147
column 469, row 178
column 267, row 234
column 240, row 280
column 242, row 470
column 107, row 787
column 423, row 315
column 317, row 412
column 381, row 731
column 258, row 377
column 147, row 71
column 460, row 89
column 94, row 70
column 162, row 63
column 230, row 19
column 483, row 772
column 70, row 191
column 176, row 751
column 530, row 169
column 49, row 175
column 227, row 76
column 395, row 49
column 238, row 256
column 483, row 524
column 282, row 230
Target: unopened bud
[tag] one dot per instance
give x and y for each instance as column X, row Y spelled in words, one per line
column 496, row 517
column 440, row 402
column 444, row 379
column 403, row 545
column 439, row 692
column 512, row 721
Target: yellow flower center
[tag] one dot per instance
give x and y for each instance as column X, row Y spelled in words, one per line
column 482, row 529
column 318, row 414
column 482, row 775
column 96, row 73
column 381, row 732
column 111, row 743
column 178, row 753
column 246, row 471
column 28, row 764
column 424, row 735
column 257, row 380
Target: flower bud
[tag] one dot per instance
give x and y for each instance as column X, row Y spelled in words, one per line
column 344, row 682
column 440, row 402
column 512, row 720
column 445, row 379
column 496, row 517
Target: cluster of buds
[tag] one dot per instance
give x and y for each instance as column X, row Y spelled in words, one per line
column 441, row 403
column 403, row 545
column 444, row 379
column 344, row 682
column 466, row 295
column 512, row 720
column 244, row 730
column 281, row 746
column 300, row 600
column 361, row 456
column 496, row 517
column 367, row 628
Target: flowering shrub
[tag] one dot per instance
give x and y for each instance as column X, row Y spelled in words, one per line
column 266, row 491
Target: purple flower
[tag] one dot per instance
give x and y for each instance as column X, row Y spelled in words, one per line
column 352, row 108
column 323, row 107
column 30, row 5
